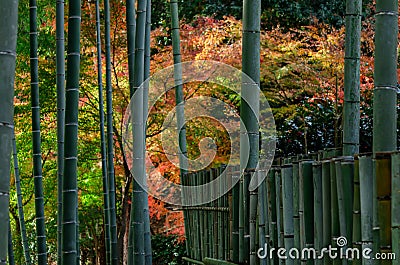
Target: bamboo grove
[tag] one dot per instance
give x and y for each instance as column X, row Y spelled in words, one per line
column 305, row 201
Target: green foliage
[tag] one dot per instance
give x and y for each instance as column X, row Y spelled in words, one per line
column 167, row 250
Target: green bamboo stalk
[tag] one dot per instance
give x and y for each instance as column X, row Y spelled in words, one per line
column 249, row 110
column 253, row 222
column 263, row 215
column 70, row 188
column 385, row 76
column 326, row 207
column 196, row 219
column 203, row 219
column 306, row 206
column 318, row 215
column 278, row 201
column 335, row 227
column 8, row 39
column 220, row 189
column 210, row 218
column 11, row 260
column 60, row 83
column 139, row 195
column 296, row 216
column 36, row 141
column 131, row 32
column 272, row 213
column 241, row 220
column 235, row 215
column 395, row 222
column 20, row 204
column 226, row 202
column 147, row 55
column 110, row 141
column 103, row 147
column 351, row 108
column 383, row 199
column 287, row 190
column 215, row 226
column 375, row 213
column 344, row 183
column 366, row 203
column 357, row 243
column 179, row 98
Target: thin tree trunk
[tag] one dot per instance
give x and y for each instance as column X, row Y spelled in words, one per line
column 8, row 39
column 70, row 186
column 60, row 80
column 110, row 141
column 249, row 107
column 179, row 102
column 131, row 33
column 20, row 205
column 351, row 109
column 139, row 195
column 147, row 232
column 103, row 138
column 36, row 141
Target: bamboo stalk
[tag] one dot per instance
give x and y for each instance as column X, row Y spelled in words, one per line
column 220, row 218
column 179, row 98
column 306, row 206
column 335, row 227
column 385, row 76
column 70, row 253
column 272, row 213
column 287, row 201
column 235, row 214
column 8, row 39
column 253, row 222
column 318, row 210
column 227, row 198
column 249, row 111
column 326, row 207
column 210, row 219
column 215, row 226
column 139, row 195
column 203, row 227
column 102, row 138
column 241, row 220
column 21, row 216
column 351, row 108
column 344, row 183
column 60, row 81
column 395, row 222
column 375, row 214
column 110, row 141
column 357, row 242
column 296, row 216
column 279, row 211
column 262, row 212
column 383, row 197
column 36, row 139
column 147, row 57
column 366, row 202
